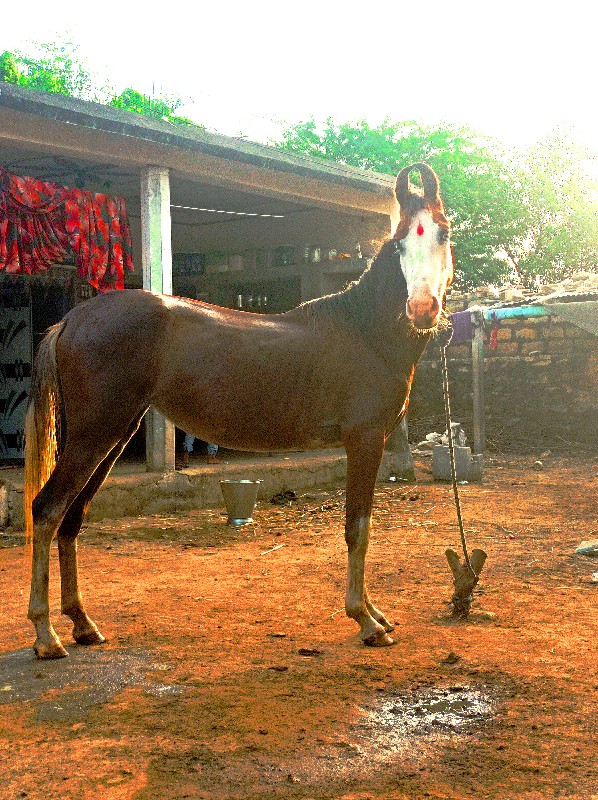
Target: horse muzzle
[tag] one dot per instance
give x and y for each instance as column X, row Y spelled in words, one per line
column 423, row 310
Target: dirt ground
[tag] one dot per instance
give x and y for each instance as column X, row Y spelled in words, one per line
column 231, row 671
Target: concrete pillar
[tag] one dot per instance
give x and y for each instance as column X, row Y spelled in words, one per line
column 398, row 444
column 156, row 257
column 477, row 361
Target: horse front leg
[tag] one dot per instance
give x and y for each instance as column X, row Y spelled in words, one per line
column 364, row 453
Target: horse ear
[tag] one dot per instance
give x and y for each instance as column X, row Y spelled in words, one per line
column 403, row 186
column 430, row 184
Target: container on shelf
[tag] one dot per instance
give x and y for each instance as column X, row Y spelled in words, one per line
column 284, row 255
column 249, row 259
column 263, row 259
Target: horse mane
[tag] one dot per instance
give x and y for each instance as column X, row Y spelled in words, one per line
column 359, row 303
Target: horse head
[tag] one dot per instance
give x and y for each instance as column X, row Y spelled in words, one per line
column 423, row 243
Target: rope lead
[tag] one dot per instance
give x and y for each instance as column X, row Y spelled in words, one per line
column 465, row 577
column 451, row 444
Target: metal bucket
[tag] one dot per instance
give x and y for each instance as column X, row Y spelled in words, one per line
column 239, row 498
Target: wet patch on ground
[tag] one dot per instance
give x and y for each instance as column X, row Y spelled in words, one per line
column 406, row 725
column 398, row 722
column 67, row 688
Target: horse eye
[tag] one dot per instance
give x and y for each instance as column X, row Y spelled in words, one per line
column 443, row 235
column 401, row 248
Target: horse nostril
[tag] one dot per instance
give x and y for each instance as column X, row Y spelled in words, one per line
column 423, row 310
column 429, row 307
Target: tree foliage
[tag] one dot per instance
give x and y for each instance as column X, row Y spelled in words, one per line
column 55, row 68
column 535, row 212
column 562, row 194
column 59, row 69
column 159, row 108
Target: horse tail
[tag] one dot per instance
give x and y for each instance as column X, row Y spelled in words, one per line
column 42, row 423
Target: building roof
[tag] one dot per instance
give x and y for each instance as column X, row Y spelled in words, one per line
column 194, row 139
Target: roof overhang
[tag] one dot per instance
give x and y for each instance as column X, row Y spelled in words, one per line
column 69, row 128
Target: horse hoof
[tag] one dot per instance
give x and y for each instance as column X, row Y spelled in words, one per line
column 89, row 637
column 379, row 639
column 52, row 650
column 388, row 626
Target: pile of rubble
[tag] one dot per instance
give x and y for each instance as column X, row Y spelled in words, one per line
column 581, row 281
column 425, row 447
column 578, row 282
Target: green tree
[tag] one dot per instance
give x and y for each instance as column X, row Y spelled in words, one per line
column 59, row 69
column 9, row 71
column 562, row 193
column 498, row 201
column 158, row 107
column 55, row 68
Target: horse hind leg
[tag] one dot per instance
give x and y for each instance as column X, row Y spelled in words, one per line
column 85, row 631
column 49, row 509
column 75, row 467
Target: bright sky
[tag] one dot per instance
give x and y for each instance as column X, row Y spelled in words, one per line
column 510, row 69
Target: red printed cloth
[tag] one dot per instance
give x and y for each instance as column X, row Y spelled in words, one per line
column 42, row 224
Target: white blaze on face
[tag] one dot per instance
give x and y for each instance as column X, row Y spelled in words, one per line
column 427, row 266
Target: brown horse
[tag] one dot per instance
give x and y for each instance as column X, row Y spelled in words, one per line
column 336, row 369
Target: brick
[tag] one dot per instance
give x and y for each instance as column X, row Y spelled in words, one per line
column 460, row 351
column 540, row 362
column 505, row 347
column 525, row 333
column 533, row 348
column 503, row 334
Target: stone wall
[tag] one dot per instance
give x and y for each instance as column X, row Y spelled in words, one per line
column 541, row 387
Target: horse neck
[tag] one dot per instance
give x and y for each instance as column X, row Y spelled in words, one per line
column 374, row 307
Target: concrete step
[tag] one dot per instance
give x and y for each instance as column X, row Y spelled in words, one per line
column 132, row 491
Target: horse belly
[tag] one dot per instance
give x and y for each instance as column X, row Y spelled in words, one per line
column 270, row 410
column 248, row 420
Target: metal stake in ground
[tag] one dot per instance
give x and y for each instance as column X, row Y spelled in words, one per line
column 465, row 576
